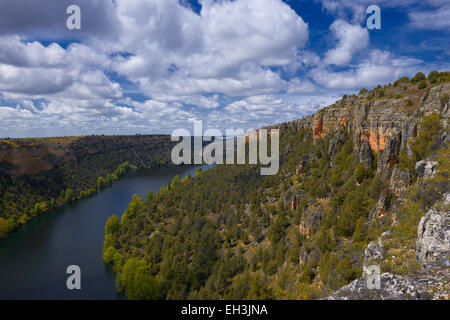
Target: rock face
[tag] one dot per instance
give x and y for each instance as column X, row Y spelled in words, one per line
column 433, row 253
column 381, row 207
column 392, row 287
column 365, row 155
column 301, row 168
column 293, row 199
column 433, row 238
column 381, row 126
column 310, row 221
column 400, row 182
column 426, row 169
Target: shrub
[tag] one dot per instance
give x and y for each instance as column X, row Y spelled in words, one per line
column 428, row 139
column 422, row 85
column 418, row 77
column 433, row 76
column 360, row 172
column 401, row 80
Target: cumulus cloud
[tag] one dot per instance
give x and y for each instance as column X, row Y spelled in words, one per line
column 228, row 48
column 351, row 39
column 149, row 66
column 379, row 67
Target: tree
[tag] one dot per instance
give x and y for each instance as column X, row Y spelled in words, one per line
column 112, row 224
column 144, row 286
column 428, row 137
column 3, row 227
column 418, row 77
column 108, row 255
column 360, row 172
column 422, row 84
column 433, row 76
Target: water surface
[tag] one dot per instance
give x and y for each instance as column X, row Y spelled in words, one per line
column 33, row 260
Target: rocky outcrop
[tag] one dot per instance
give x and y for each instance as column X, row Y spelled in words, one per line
column 292, row 199
column 392, row 287
column 426, row 169
column 381, row 207
column 310, row 221
column 365, row 155
column 433, row 237
column 388, row 155
column 400, row 182
column 433, row 253
column 301, row 168
column 434, row 101
column 381, row 126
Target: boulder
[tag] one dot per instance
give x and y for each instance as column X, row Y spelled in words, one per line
column 433, row 238
column 426, row 169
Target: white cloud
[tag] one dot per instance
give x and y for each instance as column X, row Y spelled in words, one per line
column 351, row 39
column 149, row 66
column 228, row 48
column 432, row 19
column 297, row 85
column 380, row 67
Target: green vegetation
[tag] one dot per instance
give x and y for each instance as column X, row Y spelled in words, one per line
column 230, row 233
column 363, row 90
column 401, row 242
column 420, row 76
column 53, row 172
column 427, row 142
column 66, row 196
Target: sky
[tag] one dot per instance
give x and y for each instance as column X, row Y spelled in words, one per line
column 153, row 66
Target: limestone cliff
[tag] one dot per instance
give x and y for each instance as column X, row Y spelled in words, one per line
column 379, row 125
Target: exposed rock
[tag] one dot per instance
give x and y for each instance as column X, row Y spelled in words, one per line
column 433, row 238
column 388, row 156
column 432, row 102
column 433, row 252
column 400, row 182
column 301, row 168
column 292, row 199
column 318, row 130
column 381, row 206
column 426, row 169
column 365, row 154
column 392, row 287
column 374, row 251
column 309, row 223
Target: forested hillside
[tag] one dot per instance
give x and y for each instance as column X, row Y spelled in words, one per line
column 349, row 176
column 39, row 174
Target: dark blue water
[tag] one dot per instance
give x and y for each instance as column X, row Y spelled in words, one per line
column 33, row 260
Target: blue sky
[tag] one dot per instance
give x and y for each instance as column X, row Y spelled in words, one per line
column 153, row 66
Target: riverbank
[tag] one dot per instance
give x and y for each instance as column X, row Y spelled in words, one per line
column 33, row 260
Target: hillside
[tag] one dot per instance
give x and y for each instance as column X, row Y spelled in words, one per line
column 355, row 180
column 39, row 174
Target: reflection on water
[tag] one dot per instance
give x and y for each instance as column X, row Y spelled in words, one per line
column 34, row 259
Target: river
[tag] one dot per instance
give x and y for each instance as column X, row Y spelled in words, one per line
column 33, row 260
